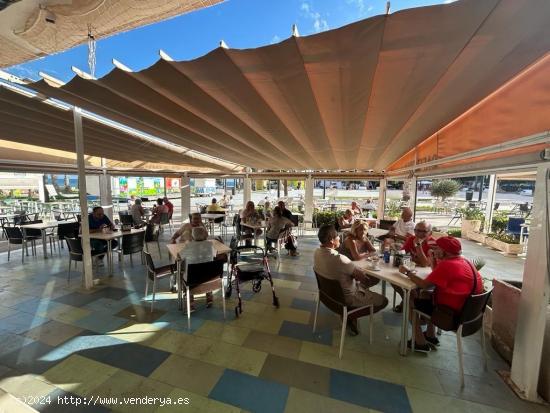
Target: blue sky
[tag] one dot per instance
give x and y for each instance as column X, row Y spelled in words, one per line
column 240, row 23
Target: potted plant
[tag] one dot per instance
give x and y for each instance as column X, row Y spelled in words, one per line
column 471, row 220
column 445, row 188
column 504, row 242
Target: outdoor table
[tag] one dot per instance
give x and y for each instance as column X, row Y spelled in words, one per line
column 261, row 225
column 109, row 237
column 43, row 226
column 175, row 249
column 391, row 274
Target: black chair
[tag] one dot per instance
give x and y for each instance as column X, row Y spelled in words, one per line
column 125, row 218
column 58, row 215
column 16, row 237
column 152, row 233
column 202, row 278
column 332, row 296
column 386, row 223
column 131, row 244
column 153, row 274
column 67, row 230
column 76, row 254
column 165, row 220
column 470, row 322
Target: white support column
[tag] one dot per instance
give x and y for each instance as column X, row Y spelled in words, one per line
column 41, row 188
column 489, row 209
column 535, row 291
column 308, row 210
column 412, row 194
column 86, row 247
column 381, row 199
column 185, row 190
column 247, row 190
column 105, row 192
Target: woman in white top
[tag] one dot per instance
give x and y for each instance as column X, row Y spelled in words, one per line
column 275, row 226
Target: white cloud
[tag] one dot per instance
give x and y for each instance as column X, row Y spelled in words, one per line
column 449, row 1
column 360, row 4
column 275, row 39
column 319, row 23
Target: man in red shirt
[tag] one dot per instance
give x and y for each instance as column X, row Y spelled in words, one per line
column 453, row 279
column 418, row 246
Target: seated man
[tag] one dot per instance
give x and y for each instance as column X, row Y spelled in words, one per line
column 137, row 212
column 185, row 232
column 198, row 250
column 369, row 205
column 346, row 220
column 355, row 210
column 401, row 230
column 328, row 263
column 418, row 246
column 214, row 207
column 287, row 213
column 159, row 209
column 453, row 279
column 97, row 221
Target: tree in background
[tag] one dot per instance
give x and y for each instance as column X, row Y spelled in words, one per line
column 445, row 188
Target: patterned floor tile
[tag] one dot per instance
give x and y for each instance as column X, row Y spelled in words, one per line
column 224, row 332
column 195, row 403
column 370, row 393
column 53, row 332
column 12, row 342
column 79, row 375
column 18, row 323
column 140, row 314
column 192, row 375
column 66, row 402
column 278, row 345
column 250, row 393
column 304, row 332
column 29, row 358
column 301, row 401
column 101, row 322
column 77, row 299
column 294, row 373
column 434, row 403
column 25, row 385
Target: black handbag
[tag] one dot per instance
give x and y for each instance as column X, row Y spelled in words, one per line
column 447, row 318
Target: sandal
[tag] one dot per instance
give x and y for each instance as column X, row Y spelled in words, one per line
column 398, row 308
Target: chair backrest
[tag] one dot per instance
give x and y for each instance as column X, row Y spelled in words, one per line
column 386, row 223
column 497, row 204
column 126, row 219
column 152, row 233
column 13, row 233
column 164, row 218
column 514, row 225
column 132, row 243
column 68, row 230
column 471, row 316
column 33, row 232
column 331, row 293
column 203, row 272
column 220, row 219
column 75, row 248
column 58, row 215
column 524, row 207
column 238, row 225
column 149, row 264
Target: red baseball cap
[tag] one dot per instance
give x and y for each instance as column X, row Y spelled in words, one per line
column 449, row 244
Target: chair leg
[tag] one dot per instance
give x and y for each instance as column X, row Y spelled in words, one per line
column 131, row 260
column 223, row 298
column 413, row 335
column 394, row 296
column 146, row 282
column 154, row 291
column 371, row 323
column 343, row 334
column 483, row 345
column 158, row 245
column 188, row 299
column 9, row 245
column 69, row 274
column 316, row 311
column 460, row 355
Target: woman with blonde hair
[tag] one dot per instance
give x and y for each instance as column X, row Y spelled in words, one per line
column 356, row 245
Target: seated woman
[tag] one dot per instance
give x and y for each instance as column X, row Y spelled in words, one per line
column 249, row 215
column 137, row 212
column 159, row 209
column 357, row 246
column 275, row 226
column 346, row 220
column 355, row 210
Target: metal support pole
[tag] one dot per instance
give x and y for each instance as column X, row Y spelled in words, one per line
column 278, row 188
column 86, row 247
column 489, row 209
column 381, row 199
column 185, row 189
column 413, row 189
column 105, row 192
column 531, row 323
column 165, row 187
column 308, row 210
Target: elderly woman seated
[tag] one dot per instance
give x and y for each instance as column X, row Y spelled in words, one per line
column 346, row 220
column 357, row 246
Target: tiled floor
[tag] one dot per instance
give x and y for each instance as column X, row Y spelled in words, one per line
column 58, row 340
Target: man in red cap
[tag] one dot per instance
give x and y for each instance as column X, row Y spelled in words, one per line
column 453, row 279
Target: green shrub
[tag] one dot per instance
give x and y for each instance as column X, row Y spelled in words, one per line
column 445, row 188
column 470, row 213
column 326, row 217
column 499, row 223
column 393, row 209
column 507, row 238
column 455, row 232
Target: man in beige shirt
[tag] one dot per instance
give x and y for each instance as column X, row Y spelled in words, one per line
column 214, row 207
column 328, row 263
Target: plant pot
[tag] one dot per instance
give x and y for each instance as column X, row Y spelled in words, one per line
column 505, row 308
column 513, row 249
column 468, row 225
column 476, row 236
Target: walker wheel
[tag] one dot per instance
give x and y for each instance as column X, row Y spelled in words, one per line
column 276, row 301
column 228, row 292
column 237, row 312
column 257, row 286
